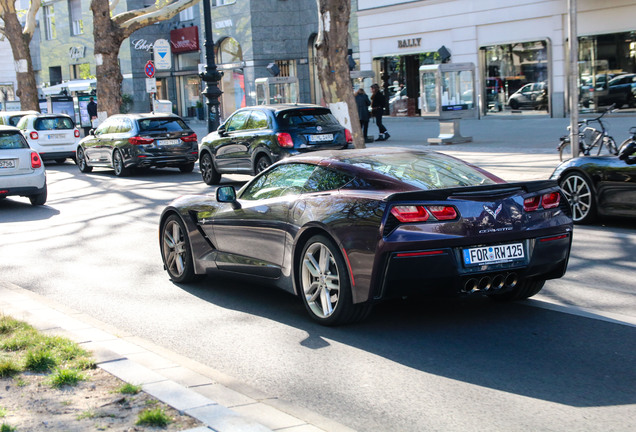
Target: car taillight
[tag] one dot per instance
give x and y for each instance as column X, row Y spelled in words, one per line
column 34, row 135
column 348, row 136
column 285, row 140
column 547, row 201
column 410, row 213
column 189, row 138
column 136, row 140
column 550, row 200
column 443, row 212
column 36, row 162
column 76, row 133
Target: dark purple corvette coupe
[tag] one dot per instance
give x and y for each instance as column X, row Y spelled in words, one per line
column 345, row 229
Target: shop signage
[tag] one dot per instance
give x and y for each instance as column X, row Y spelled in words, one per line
column 77, row 52
column 141, row 44
column 185, row 39
column 162, row 54
column 410, row 43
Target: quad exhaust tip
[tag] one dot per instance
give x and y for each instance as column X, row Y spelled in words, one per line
column 488, row 283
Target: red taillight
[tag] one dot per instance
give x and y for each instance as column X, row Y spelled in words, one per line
column 34, row 135
column 550, row 200
column 443, row 212
column 423, row 253
column 559, row 237
column 410, row 213
column 76, row 133
column 189, row 138
column 348, row 136
column 284, row 140
column 140, row 140
column 531, row 204
column 36, row 162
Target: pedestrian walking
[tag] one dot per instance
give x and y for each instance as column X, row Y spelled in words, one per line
column 363, row 102
column 378, row 102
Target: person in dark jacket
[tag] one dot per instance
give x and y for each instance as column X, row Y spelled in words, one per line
column 363, row 102
column 378, row 102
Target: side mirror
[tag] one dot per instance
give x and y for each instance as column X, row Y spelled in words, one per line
column 91, row 132
column 628, row 153
column 221, row 130
column 226, row 194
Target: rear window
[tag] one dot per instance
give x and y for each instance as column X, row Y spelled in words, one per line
column 53, row 123
column 12, row 140
column 162, row 125
column 13, row 120
column 307, row 117
column 425, row 171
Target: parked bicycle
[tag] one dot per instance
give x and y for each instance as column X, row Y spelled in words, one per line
column 590, row 137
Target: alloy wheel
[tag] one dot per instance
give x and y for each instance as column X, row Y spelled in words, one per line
column 320, row 280
column 579, row 193
column 174, row 249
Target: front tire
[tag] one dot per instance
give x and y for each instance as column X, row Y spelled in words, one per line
column 513, row 104
column 324, row 284
column 580, row 194
column 209, row 174
column 175, row 251
column 118, row 165
column 81, row 161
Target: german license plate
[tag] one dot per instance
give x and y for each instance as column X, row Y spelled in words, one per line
column 493, row 254
column 169, row 142
column 321, row 138
column 56, row 136
column 7, row 163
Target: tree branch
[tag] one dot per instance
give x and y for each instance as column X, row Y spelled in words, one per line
column 166, row 12
column 29, row 26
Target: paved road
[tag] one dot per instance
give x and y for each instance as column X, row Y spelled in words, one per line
column 563, row 362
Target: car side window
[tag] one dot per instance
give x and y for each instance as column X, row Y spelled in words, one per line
column 237, row 122
column 324, row 179
column 287, row 179
column 104, row 127
column 125, row 125
column 258, row 120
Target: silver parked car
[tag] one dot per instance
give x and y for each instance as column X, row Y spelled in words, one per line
column 21, row 170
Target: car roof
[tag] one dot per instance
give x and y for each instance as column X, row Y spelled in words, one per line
column 4, row 128
column 14, row 113
column 284, row 107
column 139, row 116
column 49, row 115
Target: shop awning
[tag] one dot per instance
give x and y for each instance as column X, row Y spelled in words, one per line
column 70, row 86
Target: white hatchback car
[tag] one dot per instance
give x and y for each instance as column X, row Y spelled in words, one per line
column 53, row 136
column 21, row 170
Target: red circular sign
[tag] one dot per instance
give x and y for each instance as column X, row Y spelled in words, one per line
column 150, row 69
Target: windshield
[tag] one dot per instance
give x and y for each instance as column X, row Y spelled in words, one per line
column 423, row 170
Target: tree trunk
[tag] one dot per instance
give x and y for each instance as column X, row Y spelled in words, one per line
column 333, row 69
column 108, row 39
column 27, row 87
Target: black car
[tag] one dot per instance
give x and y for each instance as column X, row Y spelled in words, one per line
column 345, row 229
column 253, row 138
column 126, row 141
column 620, row 90
column 600, row 185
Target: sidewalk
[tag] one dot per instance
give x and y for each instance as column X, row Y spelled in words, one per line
column 216, row 400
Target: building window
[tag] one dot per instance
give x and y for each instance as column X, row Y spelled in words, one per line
column 287, row 67
column 223, row 2
column 187, row 14
column 81, row 71
column 75, row 11
column 49, row 22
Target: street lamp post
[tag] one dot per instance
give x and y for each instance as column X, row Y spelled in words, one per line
column 211, row 76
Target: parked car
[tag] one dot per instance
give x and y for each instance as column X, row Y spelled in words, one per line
column 593, row 88
column 620, row 90
column 345, row 229
column 126, row 141
column 599, row 186
column 21, row 170
column 531, row 95
column 253, row 138
column 53, row 136
column 11, row 118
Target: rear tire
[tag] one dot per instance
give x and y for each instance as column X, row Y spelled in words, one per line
column 39, row 199
column 187, row 168
column 60, row 161
column 118, row 165
column 209, row 174
column 522, row 291
column 262, row 163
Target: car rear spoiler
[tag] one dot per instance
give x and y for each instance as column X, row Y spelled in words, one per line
column 474, row 192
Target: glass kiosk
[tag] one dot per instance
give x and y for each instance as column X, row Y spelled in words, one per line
column 448, row 93
column 276, row 90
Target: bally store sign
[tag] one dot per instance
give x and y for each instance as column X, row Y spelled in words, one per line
column 184, row 39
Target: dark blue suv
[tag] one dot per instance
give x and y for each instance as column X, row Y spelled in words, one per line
column 253, row 138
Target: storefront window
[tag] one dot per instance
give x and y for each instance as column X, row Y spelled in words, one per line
column 508, row 69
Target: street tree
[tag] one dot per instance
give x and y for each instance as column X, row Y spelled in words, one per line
column 333, row 68
column 110, row 30
column 19, row 37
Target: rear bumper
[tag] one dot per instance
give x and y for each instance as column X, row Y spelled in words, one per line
column 57, row 155
column 22, row 191
column 441, row 272
column 144, row 161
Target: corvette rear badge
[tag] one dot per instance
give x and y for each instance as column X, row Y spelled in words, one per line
column 495, row 213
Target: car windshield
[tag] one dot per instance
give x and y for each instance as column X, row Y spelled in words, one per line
column 53, row 123
column 12, row 140
column 423, row 170
column 162, row 125
column 307, row 117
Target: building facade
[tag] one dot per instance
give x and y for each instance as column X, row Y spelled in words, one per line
column 519, row 47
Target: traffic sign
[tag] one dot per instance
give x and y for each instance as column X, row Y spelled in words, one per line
column 150, row 69
column 151, row 85
column 162, row 56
